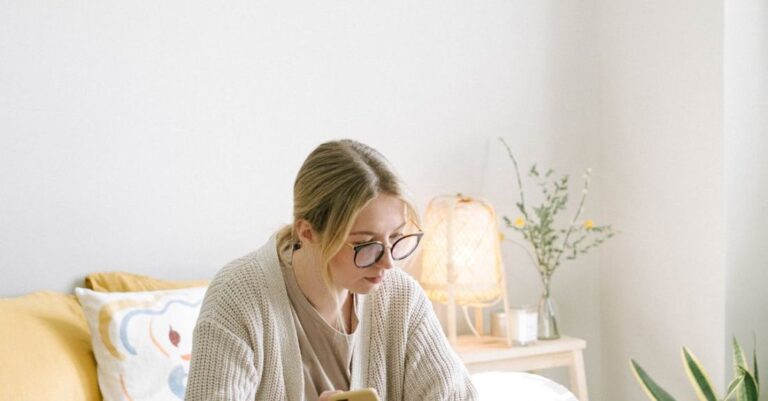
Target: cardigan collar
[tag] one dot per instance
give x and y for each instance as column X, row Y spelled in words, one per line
column 293, row 372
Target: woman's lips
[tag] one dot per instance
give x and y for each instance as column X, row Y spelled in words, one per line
column 374, row 280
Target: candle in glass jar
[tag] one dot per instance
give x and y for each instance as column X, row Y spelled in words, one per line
column 523, row 326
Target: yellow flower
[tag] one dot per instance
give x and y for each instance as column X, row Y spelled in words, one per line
column 588, row 224
column 519, row 222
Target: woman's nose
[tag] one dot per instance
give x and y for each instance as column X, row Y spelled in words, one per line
column 386, row 260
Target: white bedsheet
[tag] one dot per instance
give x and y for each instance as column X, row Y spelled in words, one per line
column 518, row 386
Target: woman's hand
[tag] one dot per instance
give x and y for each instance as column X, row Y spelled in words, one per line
column 326, row 395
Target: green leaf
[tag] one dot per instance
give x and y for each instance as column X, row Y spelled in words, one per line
column 739, row 364
column 739, row 360
column 757, row 377
column 754, row 361
column 653, row 390
column 698, row 377
column 735, row 384
column 750, row 386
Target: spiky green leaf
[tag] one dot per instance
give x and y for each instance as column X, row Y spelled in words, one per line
column 757, row 376
column 739, row 360
column 653, row 390
column 739, row 365
column 750, row 386
column 733, row 386
column 698, row 377
column 754, row 362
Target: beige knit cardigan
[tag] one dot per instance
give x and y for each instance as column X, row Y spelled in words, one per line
column 245, row 345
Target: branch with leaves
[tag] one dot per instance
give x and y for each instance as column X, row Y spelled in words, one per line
column 538, row 224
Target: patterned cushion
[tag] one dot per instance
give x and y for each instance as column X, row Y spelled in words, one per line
column 142, row 341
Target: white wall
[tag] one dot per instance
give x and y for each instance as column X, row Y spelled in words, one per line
column 684, row 94
column 662, row 281
column 746, row 174
column 164, row 137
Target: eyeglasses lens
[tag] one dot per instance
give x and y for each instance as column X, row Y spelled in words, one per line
column 368, row 254
column 404, row 247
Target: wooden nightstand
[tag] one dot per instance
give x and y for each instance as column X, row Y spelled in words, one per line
column 483, row 354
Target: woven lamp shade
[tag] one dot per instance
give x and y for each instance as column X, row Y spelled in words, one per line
column 461, row 245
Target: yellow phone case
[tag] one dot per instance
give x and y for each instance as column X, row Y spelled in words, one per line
column 366, row 394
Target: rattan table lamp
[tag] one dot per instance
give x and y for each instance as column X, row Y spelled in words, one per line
column 461, row 258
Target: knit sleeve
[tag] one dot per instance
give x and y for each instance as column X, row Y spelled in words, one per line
column 222, row 366
column 433, row 371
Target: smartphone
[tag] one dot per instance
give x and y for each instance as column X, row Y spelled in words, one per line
column 366, row 394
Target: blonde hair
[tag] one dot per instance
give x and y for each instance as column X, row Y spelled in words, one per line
column 335, row 182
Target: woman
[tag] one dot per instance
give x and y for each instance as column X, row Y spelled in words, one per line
column 321, row 307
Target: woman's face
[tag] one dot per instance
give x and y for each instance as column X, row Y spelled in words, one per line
column 382, row 219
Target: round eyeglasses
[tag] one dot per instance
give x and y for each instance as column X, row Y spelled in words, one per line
column 368, row 253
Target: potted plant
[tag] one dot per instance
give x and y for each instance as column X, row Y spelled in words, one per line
column 745, row 386
column 550, row 238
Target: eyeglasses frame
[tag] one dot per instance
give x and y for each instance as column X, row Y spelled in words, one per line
column 357, row 248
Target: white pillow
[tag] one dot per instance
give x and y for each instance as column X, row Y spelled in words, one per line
column 142, row 341
column 513, row 386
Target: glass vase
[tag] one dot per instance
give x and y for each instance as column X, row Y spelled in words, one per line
column 547, row 316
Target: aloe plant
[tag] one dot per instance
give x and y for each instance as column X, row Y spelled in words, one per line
column 745, row 386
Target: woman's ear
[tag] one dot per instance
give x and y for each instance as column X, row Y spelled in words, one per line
column 304, row 231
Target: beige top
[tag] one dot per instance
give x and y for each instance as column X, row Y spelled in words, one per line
column 245, row 345
column 326, row 352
